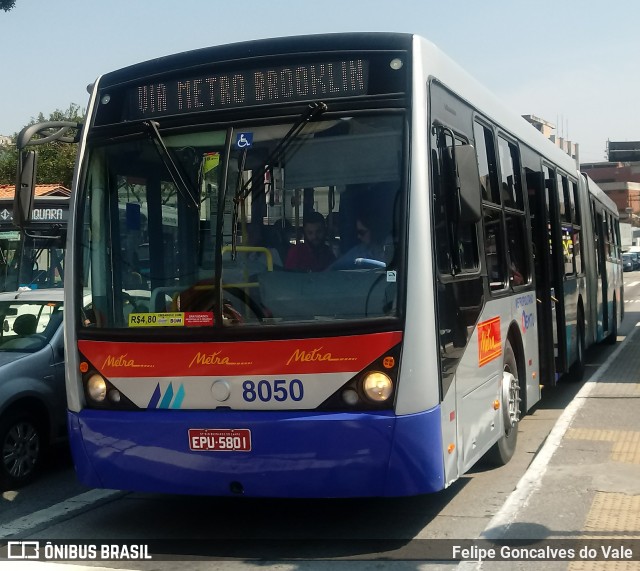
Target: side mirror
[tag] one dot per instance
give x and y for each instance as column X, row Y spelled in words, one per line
column 25, row 188
column 470, row 205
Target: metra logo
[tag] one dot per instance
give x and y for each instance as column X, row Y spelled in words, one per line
column 214, row 359
column 489, row 341
column 169, row 399
column 121, row 361
column 300, row 356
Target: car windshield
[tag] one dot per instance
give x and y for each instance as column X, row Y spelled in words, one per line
column 254, row 225
column 27, row 326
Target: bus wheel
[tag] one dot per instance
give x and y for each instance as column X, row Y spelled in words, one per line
column 502, row 451
column 577, row 369
column 22, row 449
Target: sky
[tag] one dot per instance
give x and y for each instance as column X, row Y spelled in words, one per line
column 574, row 63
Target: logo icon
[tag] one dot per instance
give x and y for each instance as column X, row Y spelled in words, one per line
column 23, row 550
column 244, row 140
column 169, row 398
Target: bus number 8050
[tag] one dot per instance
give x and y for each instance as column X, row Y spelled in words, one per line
column 279, row 390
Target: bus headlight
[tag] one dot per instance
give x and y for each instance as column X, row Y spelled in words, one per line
column 97, row 388
column 377, row 386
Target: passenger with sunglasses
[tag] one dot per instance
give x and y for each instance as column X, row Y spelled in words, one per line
column 371, row 250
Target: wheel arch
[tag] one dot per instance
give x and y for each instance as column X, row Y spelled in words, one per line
column 34, row 407
column 514, row 337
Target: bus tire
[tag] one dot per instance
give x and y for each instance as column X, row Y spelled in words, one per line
column 502, row 451
column 577, row 369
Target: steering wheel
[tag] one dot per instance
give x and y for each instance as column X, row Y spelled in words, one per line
column 246, row 300
column 196, row 299
column 369, row 263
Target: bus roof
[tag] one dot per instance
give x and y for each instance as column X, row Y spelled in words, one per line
column 462, row 83
column 255, row 49
column 439, row 64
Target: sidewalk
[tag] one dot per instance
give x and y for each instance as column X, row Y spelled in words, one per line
column 585, row 482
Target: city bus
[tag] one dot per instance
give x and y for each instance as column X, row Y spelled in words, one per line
column 34, row 255
column 470, row 265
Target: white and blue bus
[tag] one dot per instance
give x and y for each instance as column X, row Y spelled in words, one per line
column 464, row 263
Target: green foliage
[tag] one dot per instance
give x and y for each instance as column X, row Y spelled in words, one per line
column 55, row 160
column 6, row 5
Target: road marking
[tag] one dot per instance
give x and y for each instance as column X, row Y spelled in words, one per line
column 631, row 284
column 50, row 566
column 57, row 511
column 531, row 480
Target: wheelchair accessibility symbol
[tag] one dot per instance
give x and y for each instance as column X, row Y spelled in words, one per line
column 244, row 140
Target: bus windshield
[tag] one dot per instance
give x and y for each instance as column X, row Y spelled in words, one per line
column 34, row 260
column 9, row 243
column 181, row 228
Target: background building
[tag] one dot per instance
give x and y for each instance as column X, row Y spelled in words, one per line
column 7, row 191
column 549, row 131
column 619, row 177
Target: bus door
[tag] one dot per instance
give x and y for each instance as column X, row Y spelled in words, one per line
column 549, row 285
column 600, row 224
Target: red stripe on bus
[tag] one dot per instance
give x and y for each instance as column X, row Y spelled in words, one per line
column 299, row 356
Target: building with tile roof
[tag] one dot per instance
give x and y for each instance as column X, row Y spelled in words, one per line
column 7, row 191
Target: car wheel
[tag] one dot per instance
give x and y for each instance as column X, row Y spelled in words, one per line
column 22, row 449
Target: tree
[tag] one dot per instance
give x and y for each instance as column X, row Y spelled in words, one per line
column 55, row 160
column 6, row 5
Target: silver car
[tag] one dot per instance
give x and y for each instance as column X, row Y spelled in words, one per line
column 32, row 390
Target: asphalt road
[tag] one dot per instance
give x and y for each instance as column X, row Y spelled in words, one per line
column 245, row 533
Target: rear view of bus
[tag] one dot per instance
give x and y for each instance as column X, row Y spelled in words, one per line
column 210, row 360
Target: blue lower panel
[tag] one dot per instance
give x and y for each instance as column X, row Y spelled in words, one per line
column 301, row 454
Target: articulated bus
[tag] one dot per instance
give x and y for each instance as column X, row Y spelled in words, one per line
column 34, row 255
column 467, row 263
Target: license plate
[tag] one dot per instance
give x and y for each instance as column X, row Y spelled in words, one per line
column 220, row 439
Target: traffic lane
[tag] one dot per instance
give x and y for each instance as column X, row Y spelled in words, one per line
column 323, row 528
column 56, row 483
column 461, row 511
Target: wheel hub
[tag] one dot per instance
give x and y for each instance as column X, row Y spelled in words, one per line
column 510, row 400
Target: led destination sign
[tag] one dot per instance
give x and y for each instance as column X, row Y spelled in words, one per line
column 300, row 82
column 43, row 214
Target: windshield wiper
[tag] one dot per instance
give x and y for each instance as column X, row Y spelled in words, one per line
column 316, row 108
column 183, row 187
column 242, row 190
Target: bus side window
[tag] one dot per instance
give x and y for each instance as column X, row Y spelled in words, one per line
column 456, row 240
column 514, row 211
column 492, row 211
column 494, row 250
column 577, row 233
